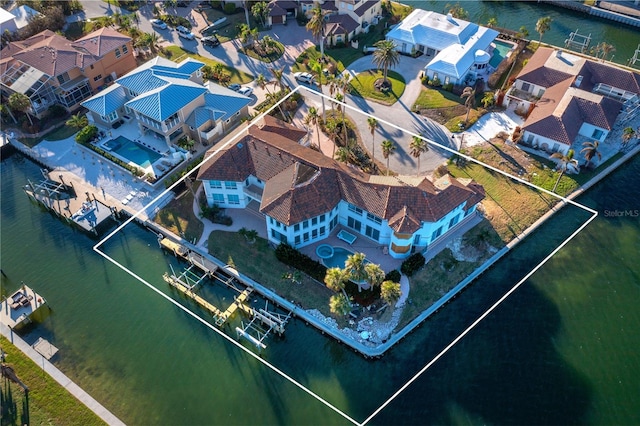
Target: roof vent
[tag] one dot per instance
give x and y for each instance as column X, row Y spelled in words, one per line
column 450, row 18
column 239, row 145
column 578, row 81
column 558, row 53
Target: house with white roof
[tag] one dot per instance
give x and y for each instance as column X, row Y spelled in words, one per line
column 169, row 100
column 304, row 195
column 461, row 50
column 569, row 99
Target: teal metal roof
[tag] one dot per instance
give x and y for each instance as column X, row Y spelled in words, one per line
column 162, row 103
column 201, row 115
column 228, row 103
column 142, row 81
column 107, row 101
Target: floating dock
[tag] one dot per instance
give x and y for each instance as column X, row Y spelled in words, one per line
column 18, row 308
column 45, row 348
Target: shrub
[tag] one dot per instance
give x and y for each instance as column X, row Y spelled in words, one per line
column 56, row 110
column 393, row 276
column 412, row 264
column 174, row 21
column 230, row 8
column 448, row 87
column 292, row 257
column 86, row 134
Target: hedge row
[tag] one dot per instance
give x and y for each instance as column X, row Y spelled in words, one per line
column 412, row 264
column 292, row 257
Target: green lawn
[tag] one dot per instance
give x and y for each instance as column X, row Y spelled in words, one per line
column 48, row 403
column 435, row 98
column 271, row 57
column 176, row 54
column 258, row 261
column 179, row 218
column 446, row 108
column 61, row 133
column 363, row 85
column 229, row 30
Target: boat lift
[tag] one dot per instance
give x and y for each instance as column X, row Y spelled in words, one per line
column 262, row 323
column 578, row 41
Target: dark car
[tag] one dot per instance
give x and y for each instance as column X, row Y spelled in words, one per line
column 210, row 41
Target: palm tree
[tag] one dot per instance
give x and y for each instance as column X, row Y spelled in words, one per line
column 335, row 279
column 492, row 22
column 342, row 154
column 388, row 148
column 487, row 99
column 542, row 26
column 469, row 95
column 339, row 304
column 263, row 83
column 78, row 121
column 20, row 102
column 375, row 274
column 627, row 134
column 390, row 292
column 314, row 118
column 332, row 128
column 386, row 56
column 343, row 84
column 605, row 48
column 591, row 150
column 373, row 124
column 317, row 26
column 417, row 146
column 316, row 68
column 564, row 160
column 354, row 267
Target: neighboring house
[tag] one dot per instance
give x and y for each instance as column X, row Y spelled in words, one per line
column 50, row 69
column 16, row 19
column 168, row 100
column 304, row 195
column 461, row 50
column 280, row 11
column 570, row 99
column 346, row 18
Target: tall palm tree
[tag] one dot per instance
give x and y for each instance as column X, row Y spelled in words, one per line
column 385, row 56
column 343, row 85
column 590, row 150
column 78, row 121
column 390, row 292
column 542, row 26
column 339, row 304
column 20, row 102
column 605, row 48
column 564, row 161
column 373, row 124
column 375, row 274
column 388, row 148
column 316, row 68
column 469, row 96
column 627, row 134
column 417, row 146
column 335, row 279
column 332, row 128
column 354, row 267
column 317, row 26
column 314, row 118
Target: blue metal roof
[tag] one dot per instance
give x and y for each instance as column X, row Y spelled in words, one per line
column 141, row 82
column 229, row 103
column 201, row 115
column 162, row 103
column 107, row 101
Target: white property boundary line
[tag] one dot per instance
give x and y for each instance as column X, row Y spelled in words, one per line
column 96, row 248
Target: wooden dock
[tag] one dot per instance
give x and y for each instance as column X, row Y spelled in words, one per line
column 18, row 308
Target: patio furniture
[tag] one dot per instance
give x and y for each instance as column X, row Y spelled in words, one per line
column 347, row 237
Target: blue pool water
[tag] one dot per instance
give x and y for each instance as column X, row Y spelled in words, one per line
column 339, row 257
column 499, row 53
column 131, row 151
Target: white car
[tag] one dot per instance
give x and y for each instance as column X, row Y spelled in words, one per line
column 184, row 33
column 158, row 24
column 246, row 91
column 303, row 77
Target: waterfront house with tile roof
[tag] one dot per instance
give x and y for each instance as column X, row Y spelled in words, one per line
column 570, row 99
column 460, row 49
column 169, row 100
column 49, row 69
column 304, row 195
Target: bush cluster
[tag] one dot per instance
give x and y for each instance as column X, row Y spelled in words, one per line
column 412, row 264
column 174, row 21
column 292, row 257
column 133, row 169
column 86, row 134
column 393, row 276
column 176, row 176
column 229, row 8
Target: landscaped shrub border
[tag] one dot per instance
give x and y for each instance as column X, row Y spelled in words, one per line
column 84, row 137
column 292, row 257
column 412, row 264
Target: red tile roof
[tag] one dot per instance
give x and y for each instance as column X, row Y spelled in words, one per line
column 301, row 183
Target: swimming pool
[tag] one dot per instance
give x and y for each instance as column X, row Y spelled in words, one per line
column 133, row 152
column 340, row 256
column 500, row 52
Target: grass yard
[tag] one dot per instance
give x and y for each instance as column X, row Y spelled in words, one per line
column 176, row 54
column 61, row 133
column 274, row 55
column 446, row 108
column 229, row 30
column 363, row 85
column 258, row 261
column 48, row 403
column 179, row 218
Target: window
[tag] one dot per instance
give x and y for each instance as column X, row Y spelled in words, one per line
column 233, row 199
column 597, row 134
column 355, row 209
column 297, row 239
column 416, row 240
column 63, row 78
column 132, row 93
column 296, row 227
column 215, row 184
column 322, row 230
column 453, row 221
column 436, row 234
column 540, row 93
column 468, row 212
column 230, row 185
column 111, row 117
column 218, row 198
column 314, row 221
column 305, row 224
column 372, row 233
column 91, row 66
column 97, row 77
column 322, row 218
column 354, row 223
column 334, row 222
column 125, row 50
column 306, row 237
column 526, row 87
column 314, row 233
column 374, row 218
column 118, row 54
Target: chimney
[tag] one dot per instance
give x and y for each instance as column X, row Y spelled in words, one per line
column 578, row 81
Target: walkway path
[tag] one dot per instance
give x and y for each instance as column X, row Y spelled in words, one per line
column 59, row 377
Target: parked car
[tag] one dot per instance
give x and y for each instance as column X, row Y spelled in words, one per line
column 210, row 41
column 303, row 77
column 184, row 33
column 235, row 87
column 158, row 24
column 246, row 91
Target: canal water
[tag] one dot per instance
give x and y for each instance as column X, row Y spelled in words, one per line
column 562, row 349
column 515, row 14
